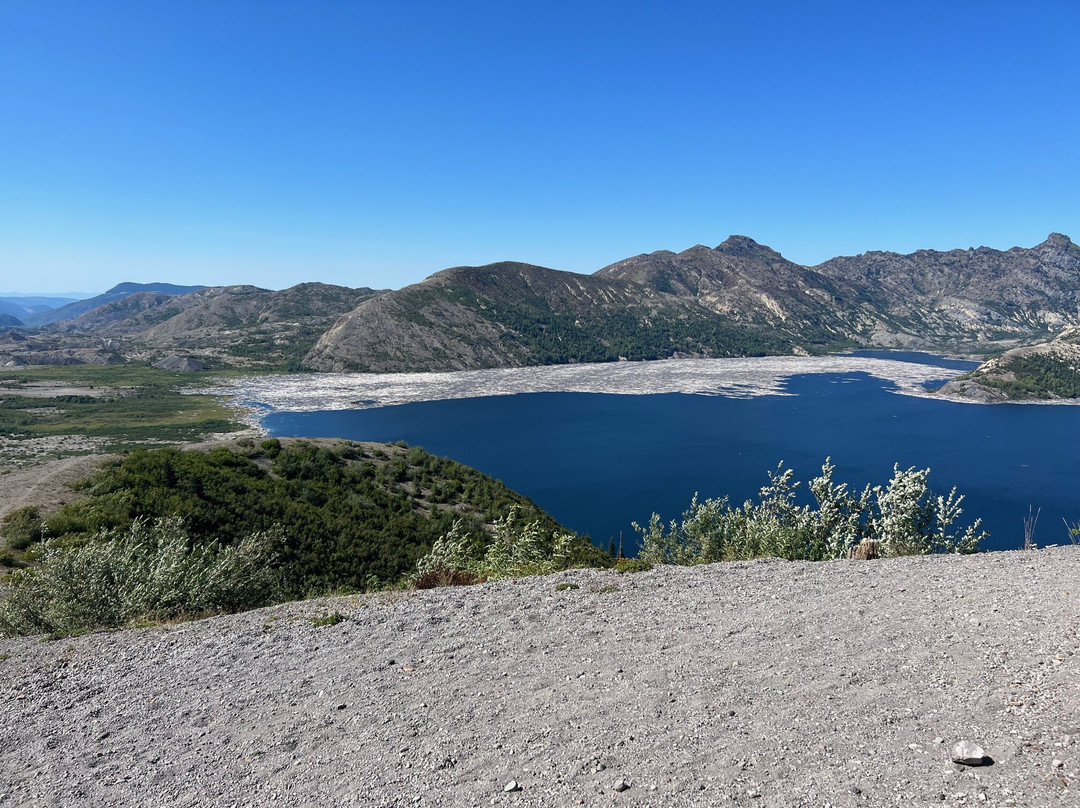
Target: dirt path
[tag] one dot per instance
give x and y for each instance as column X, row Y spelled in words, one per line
column 753, row 684
column 47, row 484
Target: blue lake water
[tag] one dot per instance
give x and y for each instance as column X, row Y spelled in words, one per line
column 598, row 462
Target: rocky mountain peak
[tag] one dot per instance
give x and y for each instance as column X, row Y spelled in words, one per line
column 746, row 246
column 1058, row 240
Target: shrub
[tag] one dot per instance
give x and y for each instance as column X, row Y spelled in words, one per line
column 326, row 620
column 346, row 520
column 628, row 566
column 443, row 576
column 513, row 549
column 22, row 527
column 902, row 518
column 151, row 571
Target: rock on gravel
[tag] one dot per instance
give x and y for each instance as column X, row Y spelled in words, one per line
column 968, row 753
column 763, row 683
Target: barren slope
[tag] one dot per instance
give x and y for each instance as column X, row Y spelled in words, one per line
column 767, row 684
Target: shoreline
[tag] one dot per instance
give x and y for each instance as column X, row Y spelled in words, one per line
column 744, row 377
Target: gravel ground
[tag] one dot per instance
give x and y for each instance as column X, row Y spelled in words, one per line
column 766, row 683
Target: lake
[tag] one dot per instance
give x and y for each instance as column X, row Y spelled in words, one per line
column 600, row 461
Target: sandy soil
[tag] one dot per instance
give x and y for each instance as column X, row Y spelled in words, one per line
column 45, row 483
column 767, row 683
column 53, row 389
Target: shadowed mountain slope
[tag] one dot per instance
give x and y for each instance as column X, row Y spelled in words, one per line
column 511, row 314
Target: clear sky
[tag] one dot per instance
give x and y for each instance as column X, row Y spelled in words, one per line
column 373, row 143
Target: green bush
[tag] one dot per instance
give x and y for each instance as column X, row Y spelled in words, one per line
column 150, row 571
column 513, row 549
column 348, row 515
column 22, row 527
column 902, row 518
column 326, row 620
column 628, row 566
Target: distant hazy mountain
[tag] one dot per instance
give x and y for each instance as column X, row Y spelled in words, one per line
column 236, row 324
column 9, row 321
column 22, row 306
column 74, row 309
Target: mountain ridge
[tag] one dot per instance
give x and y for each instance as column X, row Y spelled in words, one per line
column 121, row 290
column 511, row 314
column 239, row 325
column 736, row 299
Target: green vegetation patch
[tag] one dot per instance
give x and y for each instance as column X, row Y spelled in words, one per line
column 149, row 572
column 332, row 619
column 352, row 516
column 125, row 404
column 538, row 334
column 1037, row 375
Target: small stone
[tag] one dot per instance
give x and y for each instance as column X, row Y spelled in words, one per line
column 1058, row 764
column 511, row 786
column 621, row 786
column 968, row 754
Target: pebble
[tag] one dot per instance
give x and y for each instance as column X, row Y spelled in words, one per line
column 621, row 785
column 968, row 753
column 511, row 786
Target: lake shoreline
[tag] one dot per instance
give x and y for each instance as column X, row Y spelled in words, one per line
column 744, row 377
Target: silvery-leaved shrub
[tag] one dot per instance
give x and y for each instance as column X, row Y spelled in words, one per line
column 512, row 549
column 901, row 518
column 153, row 571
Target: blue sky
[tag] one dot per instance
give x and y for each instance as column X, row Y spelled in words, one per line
column 371, row 144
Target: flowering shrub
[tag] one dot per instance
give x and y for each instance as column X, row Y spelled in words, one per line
column 901, row 518
column 511, row 550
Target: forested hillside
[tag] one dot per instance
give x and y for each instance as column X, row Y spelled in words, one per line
column 351, row 515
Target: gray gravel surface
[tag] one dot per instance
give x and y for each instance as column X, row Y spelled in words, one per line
column 766, row 683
